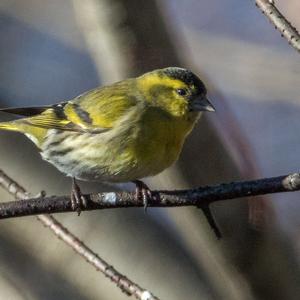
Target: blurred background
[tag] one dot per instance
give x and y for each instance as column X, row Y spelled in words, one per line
column 54, row 50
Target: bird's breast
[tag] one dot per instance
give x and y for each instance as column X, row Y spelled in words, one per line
column 158, row 143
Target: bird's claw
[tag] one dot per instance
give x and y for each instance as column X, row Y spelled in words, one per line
column 142, row 192
column 78, row 201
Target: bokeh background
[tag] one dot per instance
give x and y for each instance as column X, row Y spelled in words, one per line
column 54, row 50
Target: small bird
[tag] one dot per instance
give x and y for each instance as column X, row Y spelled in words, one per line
column 122, row 132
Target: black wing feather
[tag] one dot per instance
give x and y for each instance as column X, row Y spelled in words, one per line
column 25, row 111
column 33, row 110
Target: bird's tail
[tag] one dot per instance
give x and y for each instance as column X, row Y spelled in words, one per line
column 9, row 126
column 36, row 135
column 15, row 125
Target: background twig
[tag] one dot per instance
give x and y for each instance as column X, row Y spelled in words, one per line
column 281, row 23
column 200, row 197
column 125, row 284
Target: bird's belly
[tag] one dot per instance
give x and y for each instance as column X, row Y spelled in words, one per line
column 95, row 157
column 74, row 154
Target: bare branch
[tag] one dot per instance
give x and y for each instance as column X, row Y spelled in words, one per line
column 125, row 284
column 281, row 23
column 200, row 197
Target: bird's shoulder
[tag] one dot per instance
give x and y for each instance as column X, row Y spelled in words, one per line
column 104, row 106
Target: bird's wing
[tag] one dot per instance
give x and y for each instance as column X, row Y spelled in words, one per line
column 103, row 107
column 94, row 111
column 48, row 117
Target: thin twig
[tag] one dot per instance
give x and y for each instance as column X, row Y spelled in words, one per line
column 200, row 197
column 281, row 23
column 126, row 285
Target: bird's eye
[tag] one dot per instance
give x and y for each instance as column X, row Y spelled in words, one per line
column 181, row 92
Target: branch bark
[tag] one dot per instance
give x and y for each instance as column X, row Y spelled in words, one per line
column 200, row 197
column 287, row 30
column 126, row 285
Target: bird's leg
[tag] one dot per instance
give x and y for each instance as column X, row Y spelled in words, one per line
column 78, row 201
column 142, row 192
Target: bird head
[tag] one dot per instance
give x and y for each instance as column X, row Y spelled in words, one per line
column 177, row 91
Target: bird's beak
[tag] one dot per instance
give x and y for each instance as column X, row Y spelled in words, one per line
column 201, row 104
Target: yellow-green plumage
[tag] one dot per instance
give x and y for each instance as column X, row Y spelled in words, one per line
column 129, row 130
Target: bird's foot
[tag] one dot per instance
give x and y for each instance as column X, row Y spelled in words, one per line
column 142, row 192
column 78, row 201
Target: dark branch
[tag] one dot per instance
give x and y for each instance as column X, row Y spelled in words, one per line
column 200, row 197
column 125, row 284
column 281, row 23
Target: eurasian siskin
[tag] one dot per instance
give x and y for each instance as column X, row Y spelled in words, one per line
column 122, row 132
